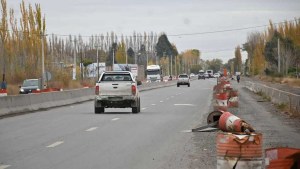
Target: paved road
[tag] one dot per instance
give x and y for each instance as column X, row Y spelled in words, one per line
column 74, row 137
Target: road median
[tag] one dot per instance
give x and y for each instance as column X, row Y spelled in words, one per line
column 19, row 104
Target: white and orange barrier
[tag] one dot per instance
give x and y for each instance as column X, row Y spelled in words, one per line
column 221, row 102
column 239, row 151
column 3, row 92
column 231, row 123
column 233, row 100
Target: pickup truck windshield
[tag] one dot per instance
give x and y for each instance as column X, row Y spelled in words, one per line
column 183, row 76
column 30, row 83
column 116, row 77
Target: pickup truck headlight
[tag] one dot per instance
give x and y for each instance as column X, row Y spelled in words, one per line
column 21, row 90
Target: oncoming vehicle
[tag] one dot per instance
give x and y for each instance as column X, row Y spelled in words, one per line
column 217, row 75
column 183, row 79
column 210, row 73
column 192, row 75
column 206, row 75
column 154, row 73
column 29, row 85
column 201, row 75
column 116, row 89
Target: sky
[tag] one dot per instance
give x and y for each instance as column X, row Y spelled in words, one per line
column 207, row 25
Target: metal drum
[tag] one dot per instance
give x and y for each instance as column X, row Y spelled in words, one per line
column 239, row 151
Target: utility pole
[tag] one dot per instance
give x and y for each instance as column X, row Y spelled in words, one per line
column 97, row 64
column 278, row 47
column 43, row 59
column 175, row 66
column 126, row 56
column 113, row 62
column 81, row 63
column 147, row 59
column 171, row 65
column 134, row 58
column 74, row 67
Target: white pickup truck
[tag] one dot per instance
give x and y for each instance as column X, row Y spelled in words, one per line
column 117, row 89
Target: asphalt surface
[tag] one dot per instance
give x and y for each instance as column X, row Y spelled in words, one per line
column 74, row 137
column 157, row 138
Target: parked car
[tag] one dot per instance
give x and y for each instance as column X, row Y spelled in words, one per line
column 183, row 79
column 29, row 85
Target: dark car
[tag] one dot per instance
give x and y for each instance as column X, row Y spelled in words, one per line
column 29, row 85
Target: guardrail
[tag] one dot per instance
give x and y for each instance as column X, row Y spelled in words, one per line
column 276, row 96
column 10, row 105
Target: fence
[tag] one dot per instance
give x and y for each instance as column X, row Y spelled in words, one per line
column 277, row 96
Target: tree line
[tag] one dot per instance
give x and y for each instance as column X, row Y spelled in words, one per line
column 21, row 48
column 275, row 51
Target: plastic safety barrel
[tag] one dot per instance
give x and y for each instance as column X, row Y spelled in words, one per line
column 239, row 151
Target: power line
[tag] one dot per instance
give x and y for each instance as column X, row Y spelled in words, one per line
column 228, row 30
column 174, row 35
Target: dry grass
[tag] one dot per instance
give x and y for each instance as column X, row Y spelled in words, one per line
column 12, row 89
column 293, row 82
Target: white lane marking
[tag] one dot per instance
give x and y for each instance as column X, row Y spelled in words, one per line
column 115, row 119
column 153, row 104
column 4, row 166
column 55, row 144
column 91, row 129
column 144, row 108
column 184, row 105
column 186, row 131
column 161, row 101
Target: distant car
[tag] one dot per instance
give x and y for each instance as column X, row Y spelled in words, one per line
column 183, row 79
column 192, row 75
column 216, row 75
column 201, row 75
column 29, row 85
column 206, row 75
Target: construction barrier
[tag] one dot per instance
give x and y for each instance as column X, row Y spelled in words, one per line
column 233, row 100
column 46, row 90
column 284, row 158
column 231, row 123
column 239, row 151
column 3, row 92
column 221, row 102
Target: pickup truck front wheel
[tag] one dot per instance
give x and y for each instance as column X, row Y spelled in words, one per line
column 99, row 110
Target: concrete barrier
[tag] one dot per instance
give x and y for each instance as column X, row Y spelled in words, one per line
column 31, row 102
column 10, row 105
column 276, row 96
